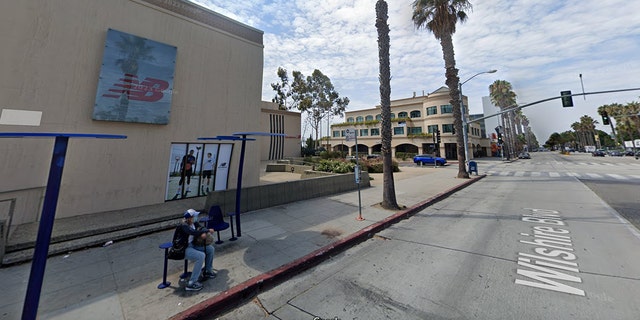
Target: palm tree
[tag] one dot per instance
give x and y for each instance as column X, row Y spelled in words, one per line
column 133, row 50
column 440, row 18
column 503, row 97
column 388, row 187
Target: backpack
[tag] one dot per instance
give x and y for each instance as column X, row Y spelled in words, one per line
column 178, row 245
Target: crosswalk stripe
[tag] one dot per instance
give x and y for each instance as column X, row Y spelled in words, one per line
column 594, row 175
column 573, row 174
column 635, row 176
column 535, row 173
column 617, row 176
column 505, row 173
column 554, row 174
column 519, row 174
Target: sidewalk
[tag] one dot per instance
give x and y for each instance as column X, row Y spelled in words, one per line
column 120, row 281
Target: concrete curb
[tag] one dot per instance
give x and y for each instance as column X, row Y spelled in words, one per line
column 243, row 292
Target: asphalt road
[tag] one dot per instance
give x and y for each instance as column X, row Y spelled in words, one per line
column 531, row 241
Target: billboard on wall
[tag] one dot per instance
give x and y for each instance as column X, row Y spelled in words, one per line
column 136, row 80
column 195, row 169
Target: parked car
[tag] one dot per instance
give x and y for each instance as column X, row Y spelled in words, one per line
column 524, row 155
column 374, row 156
column 597, row 153
column 615, row 153
column 629, row 153
column 425, row 159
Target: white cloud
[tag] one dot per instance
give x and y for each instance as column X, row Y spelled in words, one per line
column 541, row 47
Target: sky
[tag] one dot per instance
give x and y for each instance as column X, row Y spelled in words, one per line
column 541, row 47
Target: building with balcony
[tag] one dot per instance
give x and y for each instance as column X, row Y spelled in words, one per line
column 414, row 123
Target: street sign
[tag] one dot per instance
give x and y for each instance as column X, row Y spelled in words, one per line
column 350, row 134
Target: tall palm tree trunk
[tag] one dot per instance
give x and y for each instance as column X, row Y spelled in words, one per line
column 388, row 187
column 454, row 93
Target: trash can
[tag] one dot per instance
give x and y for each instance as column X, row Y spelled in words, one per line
column 473, row 167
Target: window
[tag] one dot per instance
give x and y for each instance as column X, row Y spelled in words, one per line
column 336, row 134
column 359, row 119
column 342, row 133
column 364, row 132
column 393, row 115
column 375, row 131
column 432, row 128
column 432, row 110
column 403, row 115
column 349, row 119
column 414, row 130
column 398, row 130
column 378, row 117
column 368, row 118
column 415, row 114
column 447, row 108
column 447, row 128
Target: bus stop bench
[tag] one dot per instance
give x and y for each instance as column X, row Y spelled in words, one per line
column 184, row 275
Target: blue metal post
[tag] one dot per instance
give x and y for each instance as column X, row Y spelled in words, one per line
column 30, row 309
column 239, row 185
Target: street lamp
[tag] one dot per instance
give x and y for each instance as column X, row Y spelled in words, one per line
column 464, row 119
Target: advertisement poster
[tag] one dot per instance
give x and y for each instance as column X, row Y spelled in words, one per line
column 222, row 170
column 136, row 80
column 194, row 169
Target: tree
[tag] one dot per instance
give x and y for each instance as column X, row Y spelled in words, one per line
column 133, row 50
column 440, row 18
column 503, row 97
column 554, row 140
column 388, row 187
column 313, row 95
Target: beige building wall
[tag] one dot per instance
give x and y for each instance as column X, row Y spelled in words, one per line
column 50, row 62
column 437, row 98
column 281, row 122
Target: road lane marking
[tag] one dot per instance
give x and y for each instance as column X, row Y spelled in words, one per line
column 553, row 252
column 617, row 176
column 554, row 174
column 535, row 174
column 519, row 173
column 594, row 175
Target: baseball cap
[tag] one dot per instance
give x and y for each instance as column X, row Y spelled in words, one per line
column 190, row 213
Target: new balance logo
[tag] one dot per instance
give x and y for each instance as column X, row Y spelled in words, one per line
column 149, row 90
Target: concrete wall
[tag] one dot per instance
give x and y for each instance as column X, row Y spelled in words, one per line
column 269, row 195
column 50, row 61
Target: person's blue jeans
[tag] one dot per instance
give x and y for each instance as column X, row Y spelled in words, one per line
column 208, row 261
column 192, row 254
column 198, row 255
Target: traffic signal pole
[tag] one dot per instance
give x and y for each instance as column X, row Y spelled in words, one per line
column 516, row 107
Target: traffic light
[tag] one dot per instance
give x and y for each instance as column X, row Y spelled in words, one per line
column 500, row 142
column 438, row 136
column 605, row 118
column 567, row 100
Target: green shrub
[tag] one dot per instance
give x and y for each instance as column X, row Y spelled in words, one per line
column 335, row 166
column 376, row 166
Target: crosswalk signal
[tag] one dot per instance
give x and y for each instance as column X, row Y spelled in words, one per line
column 605, row 118
column 567, row 100
column 438, row 136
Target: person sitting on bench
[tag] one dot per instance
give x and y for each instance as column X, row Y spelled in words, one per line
column 189, row 230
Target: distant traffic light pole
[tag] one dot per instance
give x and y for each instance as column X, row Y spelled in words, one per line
column 562, row 96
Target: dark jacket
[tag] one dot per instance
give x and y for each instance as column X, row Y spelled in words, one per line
column 182, row 233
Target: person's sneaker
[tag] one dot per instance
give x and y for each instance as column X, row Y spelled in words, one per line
column 204, row 276
column 196, row 286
